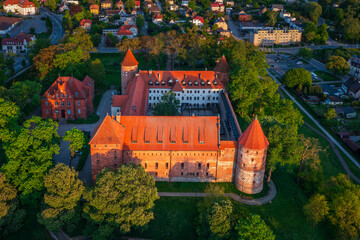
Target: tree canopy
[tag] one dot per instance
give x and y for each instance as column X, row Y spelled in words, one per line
column 76, row 138
column 169, row 105
column 338, row 65
column 316, row 209
column 63, row 192
column 120, row 200
column 298, row 78
column 254, row 228
column 314, row 11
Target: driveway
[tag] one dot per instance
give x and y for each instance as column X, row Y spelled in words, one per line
column 64, row 153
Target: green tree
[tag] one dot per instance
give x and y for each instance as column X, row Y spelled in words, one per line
column 219, row 219
column 97, row 72
column 96, row 39
column 330, row 114
column 11, row 216
column 314, row 11
column 51, row 4
column 67, row 23
column 76, row 138
column 254, row 228
column 169, row 105
column 338, row 65
column 129, row 5
column 297, row 78
column 140, row 22
column 305, row 53
column 271, row 17
column 351, row 28
column 61, row 200
column 9, row 115
column 316, row 209
column 29, row 156
column 120, row 200
column 192, row 5
column 344, row 202
column 25, row 93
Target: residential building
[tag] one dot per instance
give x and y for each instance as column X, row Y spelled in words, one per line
column 352, row 87
column 355, row 66
column 119, row 5
column 217, row 7
column 198, row 21
column 86, row 23
column 74, row 9
column 179, row 148
column 8, row 23
column 284, row 14
column 68, row 98
column 130, row 31
column 333, row 101
column 221, row 24
column 346, row 112
column 244, row 17
column 184, row 3
column 157, row 19
column 17, row 44
column 94, row 9
column 107, row 4
column 277, row 7
column 63, row 7
column 22, row 7
column 253, row 26
column 276, row 36
column 137, row 5
column 112, row 12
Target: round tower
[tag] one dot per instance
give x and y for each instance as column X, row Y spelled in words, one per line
column 129, row 66
column 251, row 159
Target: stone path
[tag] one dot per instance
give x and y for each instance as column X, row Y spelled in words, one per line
column 255, row 202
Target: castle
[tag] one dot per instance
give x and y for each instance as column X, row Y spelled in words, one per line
column 180, row 148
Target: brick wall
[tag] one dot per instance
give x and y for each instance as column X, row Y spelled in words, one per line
column 127, row 73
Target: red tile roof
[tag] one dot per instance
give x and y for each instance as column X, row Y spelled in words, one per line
column 119, row 100
column 137, row 3
column 254, row 137
column 71, row 86
column 129, row 60
column 18, row 39
column 222, row 66
column 94, row 6
column 21, row 3
column 108, row 132
column 84, row 21
column 6, row 22
column 201, row 19
column 159, row 133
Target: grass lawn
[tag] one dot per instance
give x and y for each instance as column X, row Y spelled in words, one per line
column 327, row 77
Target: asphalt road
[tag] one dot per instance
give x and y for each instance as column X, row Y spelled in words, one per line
column 58, row 31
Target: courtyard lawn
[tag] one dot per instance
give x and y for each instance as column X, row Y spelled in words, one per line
column 327, row 77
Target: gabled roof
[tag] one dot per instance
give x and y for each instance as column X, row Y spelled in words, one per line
column 201, row 19
column 353, row 85
column 18, row 39
column 177, row 87
column 254, row 137
column 6, row 22
column 84, row 21
column 129, row 59
column 222, row 66
column 94, row 6
column 21, row 3
column 108, row 132
column 119, row 100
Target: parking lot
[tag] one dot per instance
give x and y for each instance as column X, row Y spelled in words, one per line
column 280, row 64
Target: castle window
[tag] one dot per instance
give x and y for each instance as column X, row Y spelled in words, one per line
column 182, row 165
column 115, row 165
column 199, row 165
column 208, row 165
column 47, row 111
column 197, row 173
column 68, row 103
column 256, row 152
column 78, row 103
column 166, row 165
column 207, row 174
column 253, row 182
column 76, row 94
column 98, row 161
column 156, row 165
column 105, row 145
column 79, row 111
column 56, row 103
column 145, row 165
column 182, row 173
column 243, row 164
column 252, row 159
column 62, row 103
column 47, row 103
column 68, row 112
column 156, row 174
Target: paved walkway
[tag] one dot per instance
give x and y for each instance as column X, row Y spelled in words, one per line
column 255, row 202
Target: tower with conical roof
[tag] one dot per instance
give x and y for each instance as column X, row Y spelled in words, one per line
column 129, row 66
column 251, row 159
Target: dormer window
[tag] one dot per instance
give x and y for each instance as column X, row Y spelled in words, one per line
column 157, row 83
column 170, row 81
column 202, row 83
column 208, row 83
column 163, row 83
column 196, row 83
column 190, row 83
column 215, row 83
column 150, row 83
column 183, row 83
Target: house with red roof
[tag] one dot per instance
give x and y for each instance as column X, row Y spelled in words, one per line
column 119, row 5
column 63, row 7
column 217, row 7
column 179, row 148
column 129, row 31
column 157, row 19
column 137, row 4
column 8, row 23
column 68, row 98
column 86, row 23
column 17, row 44
column 198, row 21
column 94, row 9
column 22, row 7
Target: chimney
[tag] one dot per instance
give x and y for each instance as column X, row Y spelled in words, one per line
column 150, row 73
column 218, row 127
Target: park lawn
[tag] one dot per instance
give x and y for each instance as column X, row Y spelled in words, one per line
column 327, row 77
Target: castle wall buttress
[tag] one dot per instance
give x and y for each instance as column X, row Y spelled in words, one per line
column 250, row 169
column 127, row 73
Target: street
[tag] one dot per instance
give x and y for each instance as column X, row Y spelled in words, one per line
column 58, row 32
